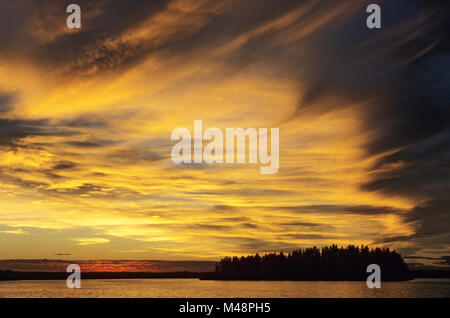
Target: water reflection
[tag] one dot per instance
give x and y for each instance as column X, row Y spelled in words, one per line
column 138, row 288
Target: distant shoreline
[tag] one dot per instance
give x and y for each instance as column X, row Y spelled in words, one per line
column 14, row 275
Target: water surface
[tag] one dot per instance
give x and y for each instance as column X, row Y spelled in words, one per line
column 187, row 288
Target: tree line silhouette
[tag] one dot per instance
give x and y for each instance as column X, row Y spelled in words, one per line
column 328, row 263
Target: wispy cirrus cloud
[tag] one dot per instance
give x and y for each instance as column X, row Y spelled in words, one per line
column 91, row 240
column 86, row 117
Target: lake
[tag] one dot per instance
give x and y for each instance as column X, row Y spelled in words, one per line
column 187, row 288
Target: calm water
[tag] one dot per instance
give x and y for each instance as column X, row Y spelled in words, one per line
column 137, row 288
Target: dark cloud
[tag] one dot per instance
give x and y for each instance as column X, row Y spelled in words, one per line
column 421, row 169
column 309, row 225
column 85, row 50
column 242, row 192
column 99, row 174
column 91, row 143
column 85, row 122
column 14, row 179
column 306, row 236
column 12, row 130
column 422, row 172
column 7, row 102
column 372, row 210
column 432, row 219
column 134, row 155
column 236, row 219
column 404, row 93
column 93, row 190
column 248, row 225
column 238, row 18
column 86, row 189
column 64, row 165
column 223, row 207
column 54, row 176
column 409, row 110
column 392, row 239
column 305, row 224
column 337, row 209
column 397, row 76
column 209, row 227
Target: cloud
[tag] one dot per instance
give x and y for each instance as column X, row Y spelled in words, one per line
column 133, row 155
column 7, row 102
column 223, row 207
column 209, row 227
column 242, row 192
column 395, row 80
column 91, row 143
column 363, row 114
column 85, row 122
column 338, row 209
column 63, row 165
column 419, row 171
column 256, row 245
column 12, row 130
column 16, row 232
column 310, row 225
column 372, row 210
column 92, row 190
column 307, row 236
column 41, row 26
column 91, row 241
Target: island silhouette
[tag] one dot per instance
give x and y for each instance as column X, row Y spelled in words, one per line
column 329, row 263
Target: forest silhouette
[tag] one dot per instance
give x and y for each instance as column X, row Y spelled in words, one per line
column 328, row 263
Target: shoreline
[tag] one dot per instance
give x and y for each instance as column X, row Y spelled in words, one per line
column 14, row 275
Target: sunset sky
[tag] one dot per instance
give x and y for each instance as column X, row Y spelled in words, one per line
column 86, row 118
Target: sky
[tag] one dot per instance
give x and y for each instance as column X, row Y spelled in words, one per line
column 86, row 117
